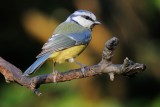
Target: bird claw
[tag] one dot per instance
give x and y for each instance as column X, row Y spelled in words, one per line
column 82, row 67
column 83, row 71
column 54, row 76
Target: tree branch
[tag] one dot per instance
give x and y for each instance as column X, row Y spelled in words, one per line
column 128, row 68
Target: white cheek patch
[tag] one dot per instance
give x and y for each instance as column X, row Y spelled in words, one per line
column 83, row 22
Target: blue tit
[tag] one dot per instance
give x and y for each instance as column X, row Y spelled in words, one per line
column 69, row 39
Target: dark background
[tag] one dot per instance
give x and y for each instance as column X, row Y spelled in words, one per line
column 26, row 25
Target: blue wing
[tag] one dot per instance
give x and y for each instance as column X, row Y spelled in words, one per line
column 61, row 42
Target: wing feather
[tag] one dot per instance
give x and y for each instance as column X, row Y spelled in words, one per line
column 62, row 39
column 58, row 43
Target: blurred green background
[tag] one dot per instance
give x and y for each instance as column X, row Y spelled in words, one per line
column 27, row 24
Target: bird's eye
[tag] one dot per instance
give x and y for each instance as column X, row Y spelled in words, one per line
column 87, row 17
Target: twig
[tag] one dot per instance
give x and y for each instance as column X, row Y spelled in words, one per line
column 128, row 68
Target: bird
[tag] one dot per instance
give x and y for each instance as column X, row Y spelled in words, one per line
column 67, row 42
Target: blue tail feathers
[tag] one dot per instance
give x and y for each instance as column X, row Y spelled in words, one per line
column 36, row 64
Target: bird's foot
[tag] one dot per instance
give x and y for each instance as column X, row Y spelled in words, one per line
column 78, row 63
column 82, row 67
column 83, row 71
column 54, row 76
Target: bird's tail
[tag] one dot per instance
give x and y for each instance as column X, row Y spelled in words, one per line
column 36, row 65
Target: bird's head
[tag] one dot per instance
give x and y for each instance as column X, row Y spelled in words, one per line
column 84, row 18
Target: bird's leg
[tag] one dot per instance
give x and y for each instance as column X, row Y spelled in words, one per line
column 78, row 63
column 82, row 67
column 54, row 72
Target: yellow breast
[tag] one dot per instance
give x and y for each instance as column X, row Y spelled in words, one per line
column 62, row 56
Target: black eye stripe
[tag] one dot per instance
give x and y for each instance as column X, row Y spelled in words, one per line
column 88, row 18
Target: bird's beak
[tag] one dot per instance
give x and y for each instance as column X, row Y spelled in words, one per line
column 97, row 22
